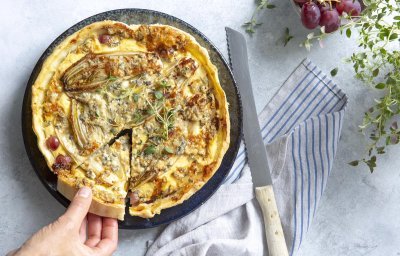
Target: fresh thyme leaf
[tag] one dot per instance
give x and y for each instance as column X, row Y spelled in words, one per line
column 150, row 111
column 137, row 117
column 112, row 78
column 159, row 95
column 168, row 150
column 149, row 150
column 348, row 32
column 334, row 72
column 287, row 37
column 164, row 83
column 136, row 97
column 354, row 163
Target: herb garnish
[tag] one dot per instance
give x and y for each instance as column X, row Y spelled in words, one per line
column 378, row 65
column 253, row 24
column 158, row 94
column 334, row 72
column 165, row 116
column 287, row 37
column 164, row 83
column 149, row 150
column 168, row 150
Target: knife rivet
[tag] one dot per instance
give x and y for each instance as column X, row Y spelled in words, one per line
column 276, row 232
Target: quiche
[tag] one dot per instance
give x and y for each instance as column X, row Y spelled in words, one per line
column 131, row 111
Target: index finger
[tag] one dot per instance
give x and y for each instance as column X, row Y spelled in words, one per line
column 109, row 236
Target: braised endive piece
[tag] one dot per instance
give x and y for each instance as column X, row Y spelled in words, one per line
column 93, row 70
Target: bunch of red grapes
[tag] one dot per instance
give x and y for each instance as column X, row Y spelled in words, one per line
column 326, row 12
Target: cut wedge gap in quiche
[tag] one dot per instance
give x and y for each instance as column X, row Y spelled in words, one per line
column 154, row 81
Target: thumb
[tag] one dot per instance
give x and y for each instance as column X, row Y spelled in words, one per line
column 79, row 206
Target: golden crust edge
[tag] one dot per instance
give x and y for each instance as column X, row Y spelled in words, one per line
column 97, row 207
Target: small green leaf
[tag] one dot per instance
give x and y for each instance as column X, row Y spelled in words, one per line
column 354, row 163
column 158, row 95
column 334, row 71
column 164, row 83
column 391, row 81
column 393, row 37
column 270, row 6
column 375, row 72
column 112, row 78
column 380, row 86
column 287, row 37
column 135, row 97
column 149, row 150
column 380, row 150
column 348, row 32
column 168, row 150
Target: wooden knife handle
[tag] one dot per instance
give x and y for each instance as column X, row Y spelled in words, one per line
column 273, row 227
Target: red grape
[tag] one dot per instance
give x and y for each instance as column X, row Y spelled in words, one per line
column 310, row 15
column 353, row 8
column 62, row 163
column 323, row 7
column 104, row 39
column 340, row 6
column 330, row 19
column 52, row 143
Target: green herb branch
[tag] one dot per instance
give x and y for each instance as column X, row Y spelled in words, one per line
column 251, row 25
column 378, row 65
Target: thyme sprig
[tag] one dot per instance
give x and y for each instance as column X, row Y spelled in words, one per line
column 378, row 65
column 164, row 115
column 251, row 25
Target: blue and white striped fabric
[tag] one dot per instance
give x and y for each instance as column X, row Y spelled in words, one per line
column 301, row 127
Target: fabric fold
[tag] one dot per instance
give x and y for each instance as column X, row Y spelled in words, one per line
column 301, row 127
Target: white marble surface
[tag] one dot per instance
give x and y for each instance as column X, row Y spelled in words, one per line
column 359, row 213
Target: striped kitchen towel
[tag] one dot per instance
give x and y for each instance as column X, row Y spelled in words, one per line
column 301, row 127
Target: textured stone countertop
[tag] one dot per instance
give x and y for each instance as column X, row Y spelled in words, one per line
column 359, row 212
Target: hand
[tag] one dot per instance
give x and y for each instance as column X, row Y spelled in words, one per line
column 74, row 233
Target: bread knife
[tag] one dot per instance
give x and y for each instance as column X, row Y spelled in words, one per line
column 255, row 149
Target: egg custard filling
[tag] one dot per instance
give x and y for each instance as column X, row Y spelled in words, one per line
column 132, row 112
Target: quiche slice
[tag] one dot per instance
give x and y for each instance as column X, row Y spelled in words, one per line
column 153, row 80
column 106, row 172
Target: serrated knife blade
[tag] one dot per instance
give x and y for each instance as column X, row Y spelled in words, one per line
column 255, row 149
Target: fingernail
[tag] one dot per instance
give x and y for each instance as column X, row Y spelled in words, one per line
column 84, row 192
